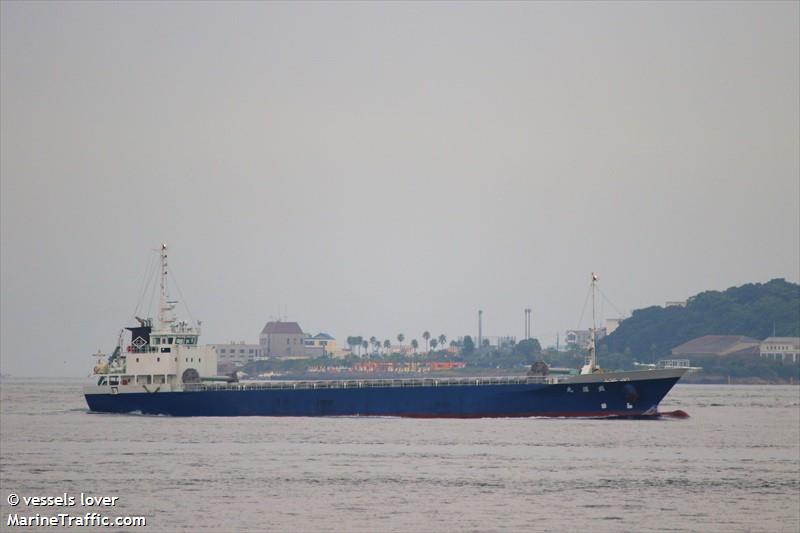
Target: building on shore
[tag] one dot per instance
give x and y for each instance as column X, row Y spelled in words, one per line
column 321, row 344
column 282, row 340
column 780, row 349
column 236, row 354
column 580, row 338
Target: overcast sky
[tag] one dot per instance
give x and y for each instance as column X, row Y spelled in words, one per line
column 371, row 169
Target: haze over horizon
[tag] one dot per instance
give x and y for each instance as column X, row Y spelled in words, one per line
column 371, row 169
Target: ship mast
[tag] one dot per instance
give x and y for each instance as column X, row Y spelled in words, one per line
column 591, row 358
column 164, row 306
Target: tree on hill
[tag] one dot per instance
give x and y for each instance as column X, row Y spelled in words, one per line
column 756, row 310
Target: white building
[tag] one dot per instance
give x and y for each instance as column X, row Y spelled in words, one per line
column 237, row 353
column 781, row 349
column 580, row 338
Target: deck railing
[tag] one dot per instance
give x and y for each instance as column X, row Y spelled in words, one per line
column 373, row 383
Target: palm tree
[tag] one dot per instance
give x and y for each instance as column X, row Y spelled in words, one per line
column 415, row 345
column 357, row 343
column 386, row 345
column 365, row 344
column 373, row 341
column 426, row 336
column 442, row 340
column 434, row 342
column 401, row 338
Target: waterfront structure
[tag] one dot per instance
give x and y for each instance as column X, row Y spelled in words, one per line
column 780, row 349
column 720, row 345
column 237, row 353
column 320, row 344
column 282, row 340
column 580, row 339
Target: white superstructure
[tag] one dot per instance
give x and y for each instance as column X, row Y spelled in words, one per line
column 158, row 358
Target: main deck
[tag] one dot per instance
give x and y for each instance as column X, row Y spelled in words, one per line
column 374, row 383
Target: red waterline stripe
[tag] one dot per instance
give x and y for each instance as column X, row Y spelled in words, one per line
column 586, row 414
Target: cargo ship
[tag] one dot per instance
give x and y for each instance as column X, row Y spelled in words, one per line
column 162, row 370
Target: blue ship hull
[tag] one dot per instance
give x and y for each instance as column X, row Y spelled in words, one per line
column 598, row 398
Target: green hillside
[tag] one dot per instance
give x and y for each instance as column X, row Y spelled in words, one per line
column 755, row 310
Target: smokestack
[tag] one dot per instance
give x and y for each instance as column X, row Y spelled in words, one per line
column 480, row 328
column 527, row 323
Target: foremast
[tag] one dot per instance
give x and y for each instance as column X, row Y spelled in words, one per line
column 590, row 365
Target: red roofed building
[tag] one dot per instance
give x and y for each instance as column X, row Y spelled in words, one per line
column 282, row 339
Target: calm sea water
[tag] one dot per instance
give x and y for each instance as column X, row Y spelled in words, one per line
column 733, row 466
